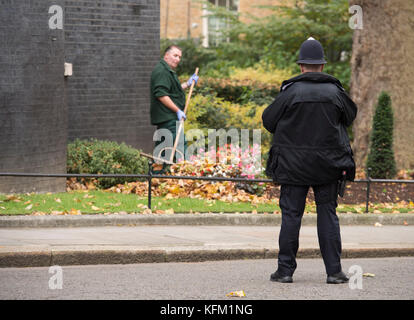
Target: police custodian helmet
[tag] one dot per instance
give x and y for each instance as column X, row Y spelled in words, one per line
column 311, row 52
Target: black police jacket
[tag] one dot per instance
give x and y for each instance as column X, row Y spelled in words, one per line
column 308, row 119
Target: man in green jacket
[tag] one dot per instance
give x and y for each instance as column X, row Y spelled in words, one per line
column 168, row 97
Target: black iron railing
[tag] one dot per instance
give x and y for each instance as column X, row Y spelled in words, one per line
column 151, row 176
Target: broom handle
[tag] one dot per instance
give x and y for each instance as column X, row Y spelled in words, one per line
column 182, row 120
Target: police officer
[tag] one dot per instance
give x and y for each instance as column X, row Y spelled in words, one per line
column 308, row 120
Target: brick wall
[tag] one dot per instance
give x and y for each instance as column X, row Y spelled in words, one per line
column 32, row 97
column 176, row 22
column 113, row 46
column 253, row 8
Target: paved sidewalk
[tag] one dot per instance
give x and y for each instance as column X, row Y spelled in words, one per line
column 36, row 241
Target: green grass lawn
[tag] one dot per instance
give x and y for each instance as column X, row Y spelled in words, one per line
column 102, row 202
column 92, row 202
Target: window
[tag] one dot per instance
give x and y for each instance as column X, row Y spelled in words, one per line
column 213, row 26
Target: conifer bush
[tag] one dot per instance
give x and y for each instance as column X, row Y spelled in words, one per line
column 381, row 156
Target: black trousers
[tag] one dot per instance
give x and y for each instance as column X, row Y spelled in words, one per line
column 292, row 204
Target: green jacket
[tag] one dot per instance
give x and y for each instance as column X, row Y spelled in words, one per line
column 164, row 82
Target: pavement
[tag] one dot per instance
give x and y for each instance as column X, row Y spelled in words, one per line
column 34, row 241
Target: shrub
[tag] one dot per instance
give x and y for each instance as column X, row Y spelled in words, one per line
column 238, row 91
column 258, row 84
column 207, row 112
column 105, row 157
column 381, row 156
column 211, row 112
column 264, row 73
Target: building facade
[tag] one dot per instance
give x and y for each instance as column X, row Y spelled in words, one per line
column 190, row 18
column 111, row 45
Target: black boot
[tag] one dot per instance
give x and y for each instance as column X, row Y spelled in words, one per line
column 279, row 278
column 337, row 278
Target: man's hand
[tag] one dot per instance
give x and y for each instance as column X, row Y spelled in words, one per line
column 194, row 77
column 342, row 184
column 181, row 115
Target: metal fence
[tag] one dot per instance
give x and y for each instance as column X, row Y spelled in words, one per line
column 151, row 176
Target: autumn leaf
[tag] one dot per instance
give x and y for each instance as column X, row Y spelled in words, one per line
column 368, row 275
column 174, row 189
column 118, row 204
column 240, row 294
column 39, row 213
column 358, row 210
column 75, row 212
column 157, row 167
column 54, row 212
column 13, row 198
column 90, row 185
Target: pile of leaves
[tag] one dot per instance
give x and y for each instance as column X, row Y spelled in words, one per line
column 401, row 174
column 173, row 188
column 227, row 162
column 231, row 162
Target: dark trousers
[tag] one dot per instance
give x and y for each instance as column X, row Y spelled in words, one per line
column 172, row 126
column 292, row 204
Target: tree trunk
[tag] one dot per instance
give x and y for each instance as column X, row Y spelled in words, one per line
column 383, row 59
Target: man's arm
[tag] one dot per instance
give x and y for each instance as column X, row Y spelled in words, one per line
column 272, row 114
column 349, row 109
column 166, row 101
